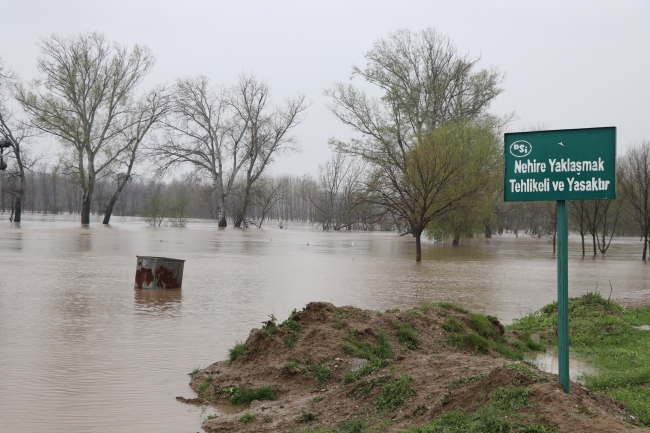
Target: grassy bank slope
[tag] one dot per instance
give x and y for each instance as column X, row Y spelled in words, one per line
column 610, row 339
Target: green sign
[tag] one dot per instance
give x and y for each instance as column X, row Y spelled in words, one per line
column 565, row 164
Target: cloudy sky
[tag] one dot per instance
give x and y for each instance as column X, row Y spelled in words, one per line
column 568, row 64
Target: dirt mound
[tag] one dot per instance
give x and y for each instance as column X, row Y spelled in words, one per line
column 343, row 369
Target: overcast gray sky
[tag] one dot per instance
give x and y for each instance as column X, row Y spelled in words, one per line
column 568, row 64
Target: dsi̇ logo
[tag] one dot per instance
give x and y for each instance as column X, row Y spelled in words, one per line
column 520, row 148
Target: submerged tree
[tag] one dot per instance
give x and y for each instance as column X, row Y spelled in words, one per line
column 634, row 183
column 17, row 132
column 85, row 99
column 425, row 84
column 266, row 130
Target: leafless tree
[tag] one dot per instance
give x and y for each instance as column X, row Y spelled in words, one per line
column 340, row 192
column 84, row 98
column 145, row 114
column 199, row 132
column 634, row 183
column 266, row 130
column 18, row 132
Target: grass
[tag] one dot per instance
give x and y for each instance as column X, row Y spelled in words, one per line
column 318, row 399
column 406, row 334
column 604, row 333
column 247, row 417
column 395, row 393
column 502, row 414
column 452, row 306
column 306, row 416
column 238, row 395
column 483, row 333
column 196, row 370
column 363, row 387
column 236, row 351
column 353, row 425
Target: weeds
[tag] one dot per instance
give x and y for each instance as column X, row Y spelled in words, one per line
column 306, row 416
column 500, row 415
column 406, row 334
column 362, row 388
column 236, row 351
column 318, row 399
column 238, row 395
column 453, row 325
column 337, row 325
column 353, row 425
column 459, row 382
column 395, row 393
column 196, row 370
column 452, row 306
column 247, row 417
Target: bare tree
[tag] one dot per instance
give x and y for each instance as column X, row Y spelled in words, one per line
column 266, row 127
column 340, row 192
column 84, row 98
column 425, row 83
column 198, row 132
column 267, row 193
column 18, row 133
column 147, row 112
column 578, row 212
column 634, row 181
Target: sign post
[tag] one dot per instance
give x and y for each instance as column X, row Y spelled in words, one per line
column 561, row 165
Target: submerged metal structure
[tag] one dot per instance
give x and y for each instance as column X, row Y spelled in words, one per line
column 158, row 273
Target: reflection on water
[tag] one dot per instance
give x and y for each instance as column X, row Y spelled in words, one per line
column 548, row 362
column 158, row 302
column 81, row 351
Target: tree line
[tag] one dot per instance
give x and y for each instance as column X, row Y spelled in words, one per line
column 427, row 157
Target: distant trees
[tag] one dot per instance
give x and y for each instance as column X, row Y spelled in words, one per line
column 340, row 192
column 634, row 186
column 425, row 84
column 85, row 99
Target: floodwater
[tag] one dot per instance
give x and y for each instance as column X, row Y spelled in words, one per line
column 82, row 351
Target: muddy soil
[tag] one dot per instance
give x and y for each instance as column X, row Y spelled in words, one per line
column 306, row 365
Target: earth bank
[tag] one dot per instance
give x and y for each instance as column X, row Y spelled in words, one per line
column 343, row 369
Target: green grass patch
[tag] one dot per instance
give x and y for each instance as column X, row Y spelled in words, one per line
column 247, row 417
column 318, row 399
column 363, row 387
column 236, row 351
column 353, row 425
column 604, row 334
column 501, row 415
column 485, row 327
column 395, row 393
column 406, row 334
column 238, row 395
column 452, row 324
column 452, row 306
column 321, row 372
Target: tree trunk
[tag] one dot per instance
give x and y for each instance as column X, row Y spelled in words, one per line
column 222, row 211
column 109, row 209
column 418, row 246
column 85, row 208
column 455, row 241
column 582, row 235
column 593, row 235
column 244, row 207
column 18, row 207
column 645, row 247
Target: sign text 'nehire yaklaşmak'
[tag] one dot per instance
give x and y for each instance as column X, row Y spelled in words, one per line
column 568, row 164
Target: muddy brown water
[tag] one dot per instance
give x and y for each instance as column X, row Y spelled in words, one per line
column 82, row 351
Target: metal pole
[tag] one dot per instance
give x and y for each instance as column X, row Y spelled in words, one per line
column 563, row 294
